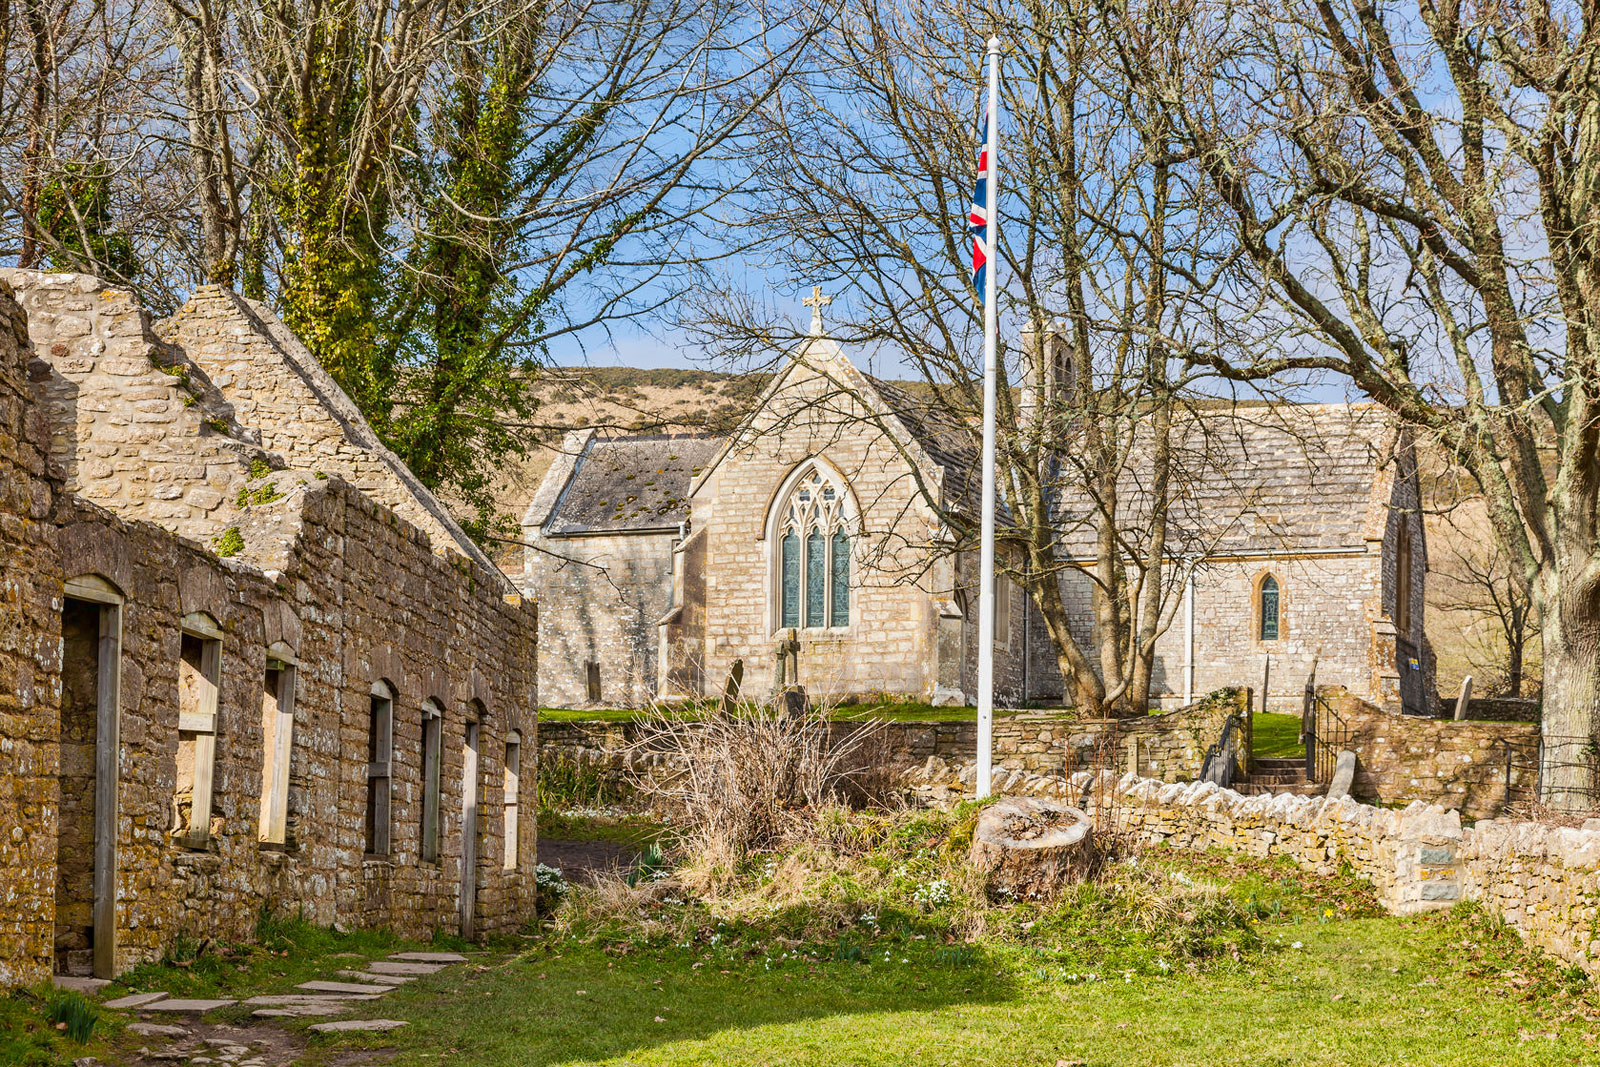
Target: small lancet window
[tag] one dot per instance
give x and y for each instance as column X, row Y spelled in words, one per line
column 813, row 580
column 1269, row 608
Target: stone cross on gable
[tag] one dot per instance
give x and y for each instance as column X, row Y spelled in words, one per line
column 816, row 302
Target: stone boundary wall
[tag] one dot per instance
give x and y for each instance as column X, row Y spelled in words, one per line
column 1463, row 765
column 1496, row 709
column 1171, row 747
column 1543, row 880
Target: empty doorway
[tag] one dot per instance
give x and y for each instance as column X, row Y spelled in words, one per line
column 86, row 845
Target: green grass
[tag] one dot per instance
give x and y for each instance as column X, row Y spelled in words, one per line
column 627, row 830
column 1276, row 736
column 29, row 1031
column 893, row 712
column 1435, row 990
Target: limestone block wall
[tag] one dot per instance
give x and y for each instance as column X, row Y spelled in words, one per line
column 364, row 599
column 30, row 674
column 601, row 601
column 276, row 387
column 1462, row 765
column 136, row 428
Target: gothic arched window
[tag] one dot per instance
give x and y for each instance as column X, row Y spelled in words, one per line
column 1269, row 608
column 813, row 573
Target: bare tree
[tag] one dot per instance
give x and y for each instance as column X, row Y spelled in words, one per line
column 1107, row 272
column 1477, row 582
column 1413, row 184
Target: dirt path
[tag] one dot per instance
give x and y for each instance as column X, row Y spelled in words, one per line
column 579, row 860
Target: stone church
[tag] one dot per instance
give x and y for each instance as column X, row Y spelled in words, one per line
column 801, row 548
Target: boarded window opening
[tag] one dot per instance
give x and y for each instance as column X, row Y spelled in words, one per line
column 380, row 742
column 510, row 789
column 199, row 685
column 1402, row 579
column 432, row 727
column 277, row 746
column 1002, row 611
column 592, row 681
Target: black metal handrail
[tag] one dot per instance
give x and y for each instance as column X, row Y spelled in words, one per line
column 1326, row 735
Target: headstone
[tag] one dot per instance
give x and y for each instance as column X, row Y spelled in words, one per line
column 730, row 689
column 1344, row 775
column 1464, row 699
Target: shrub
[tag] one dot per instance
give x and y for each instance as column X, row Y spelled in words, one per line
column 746, row 773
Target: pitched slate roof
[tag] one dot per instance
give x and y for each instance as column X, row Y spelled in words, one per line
column 1259, row 478
column 947, row 441
column 630, row 483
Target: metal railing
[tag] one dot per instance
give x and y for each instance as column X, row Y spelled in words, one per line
column 1326, row 733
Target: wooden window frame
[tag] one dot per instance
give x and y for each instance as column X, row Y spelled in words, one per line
column 277, row 749
column 379, row 842
column 511, row 802
column 201, row 727
column 429, row 833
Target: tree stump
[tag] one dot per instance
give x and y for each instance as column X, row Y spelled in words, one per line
column 1031, row 847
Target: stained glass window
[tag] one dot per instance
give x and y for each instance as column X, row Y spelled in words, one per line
column 839, row 580
column 1269, row 609
column 791, row 579
column 813, row 512
column 816, row 578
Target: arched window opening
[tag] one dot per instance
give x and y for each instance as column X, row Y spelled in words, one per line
column 1269, row 608
column 813, row 554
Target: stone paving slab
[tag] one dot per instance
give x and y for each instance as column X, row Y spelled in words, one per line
column 197, row 1007
column 345, row 1025
column 382, row 979
column 278, row 1000
column 302, row 1011
column 430, row 957
column 136, row 1000
column 394, row 967
column 156, row 1030
column 344, row 987
column 79, row 985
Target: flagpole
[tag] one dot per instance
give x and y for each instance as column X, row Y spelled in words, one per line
column 990, row 354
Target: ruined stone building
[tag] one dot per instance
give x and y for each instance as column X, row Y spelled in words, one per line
column 802, row 546
column 247, row 662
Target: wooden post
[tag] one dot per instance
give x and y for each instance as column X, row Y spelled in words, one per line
column 1464, row 698
column 1266, row 683
column 108, row 727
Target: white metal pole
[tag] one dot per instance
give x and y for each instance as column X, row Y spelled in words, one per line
column 1188, row 639
column 990, row 350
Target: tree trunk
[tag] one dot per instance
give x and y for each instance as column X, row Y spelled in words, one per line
column 1568, row 779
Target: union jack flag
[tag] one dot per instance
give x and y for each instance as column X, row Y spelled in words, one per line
column 978, row 215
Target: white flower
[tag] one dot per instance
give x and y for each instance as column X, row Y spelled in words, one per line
column 1297, row 945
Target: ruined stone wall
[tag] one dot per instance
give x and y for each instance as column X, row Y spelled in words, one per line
column 601, row 600
column 276, row 387
column 364, row 598
column 1461, row 765
column 30, row 631
column 136, row 428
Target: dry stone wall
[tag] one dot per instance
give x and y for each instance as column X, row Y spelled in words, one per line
column 30, row 630
column 1543, row 880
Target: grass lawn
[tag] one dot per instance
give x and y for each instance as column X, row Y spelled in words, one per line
column 909, row 712
column 1276, row 736
column 1357, row 991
